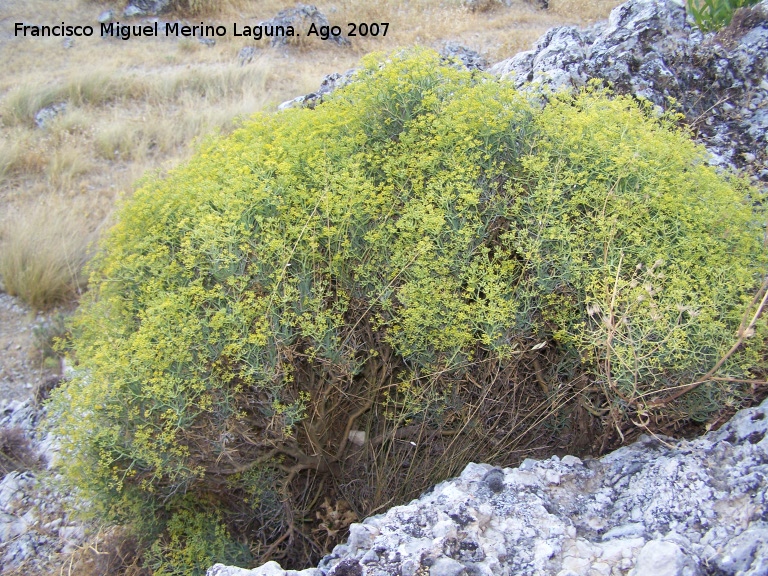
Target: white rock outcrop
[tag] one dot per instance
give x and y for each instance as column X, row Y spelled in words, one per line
column 649, row 48
column 35, row 522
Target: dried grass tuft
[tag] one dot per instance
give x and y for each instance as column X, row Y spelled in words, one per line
column 42, row 253
column 15, row 451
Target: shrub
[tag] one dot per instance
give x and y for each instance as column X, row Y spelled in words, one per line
column 427, row 260
column 714, row 14
column 113, row 552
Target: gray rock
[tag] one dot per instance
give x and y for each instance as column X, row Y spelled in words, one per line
column 106, row 16
column 494, row 480
column 649, row 49
column 45, row 115
column 246, row 55
column 446, row 567
column 469, row 58
column 327, row 86
column 301, row 17
column 480, row 5
column 747, row 553
column 70, row 533
column 661, row 558
column 146, row 7
column 268, row 569
column 33, row 518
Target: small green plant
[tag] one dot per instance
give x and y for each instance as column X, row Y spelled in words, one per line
column 50, row 338
column 351, row 303
column 715, row 14
column 193, row 542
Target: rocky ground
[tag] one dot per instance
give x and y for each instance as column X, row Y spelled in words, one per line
column 22, row 370
column 660, row 507
column 36, row 532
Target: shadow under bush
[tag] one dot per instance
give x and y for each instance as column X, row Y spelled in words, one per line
column 329, row 311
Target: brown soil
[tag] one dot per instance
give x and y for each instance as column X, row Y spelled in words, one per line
column 22, row 368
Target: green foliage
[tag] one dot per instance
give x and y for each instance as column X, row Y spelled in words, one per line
column 50, row 338
column 427, row 257
column 714, row 14
column 195, row 540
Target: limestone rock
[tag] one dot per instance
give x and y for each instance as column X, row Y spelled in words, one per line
column 301, row 17
column 268, row 569
column 146, row 7
column 44, row 116
column 106, row 16
column 649, row 49
column 469, row 58
column 34, row 522
column 480, row 5
column 330, row 83
column 246, row 55
column 662, row 558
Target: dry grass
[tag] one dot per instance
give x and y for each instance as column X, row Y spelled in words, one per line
column 15, row 451
column 110, row 552
column 42, row 253
column 66, row 164
column 582, row 11
column 20, row 153
column 136, row 105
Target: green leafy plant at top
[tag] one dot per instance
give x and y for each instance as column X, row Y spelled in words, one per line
column 428, row 264
column 714, row 14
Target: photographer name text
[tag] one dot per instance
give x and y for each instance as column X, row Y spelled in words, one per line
column 202, row 30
